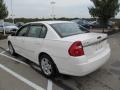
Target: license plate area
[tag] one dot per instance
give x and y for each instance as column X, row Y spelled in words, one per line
column 95, row 49
column 98, row 46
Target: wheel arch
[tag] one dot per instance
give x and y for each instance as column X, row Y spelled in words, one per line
column 44, row 53
column 9, row 42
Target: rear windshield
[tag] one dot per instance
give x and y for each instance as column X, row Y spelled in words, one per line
column 67, row 29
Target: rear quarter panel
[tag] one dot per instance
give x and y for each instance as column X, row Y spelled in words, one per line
column 56, row 49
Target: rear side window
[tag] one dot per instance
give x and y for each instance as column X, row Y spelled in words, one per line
column 67, row 29
column 34, row 31
column 38, row 31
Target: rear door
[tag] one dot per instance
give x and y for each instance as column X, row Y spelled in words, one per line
column 35, row 38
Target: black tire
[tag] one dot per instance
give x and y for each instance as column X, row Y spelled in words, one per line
column 108, row 27
column 53, row 71
column 11, row 49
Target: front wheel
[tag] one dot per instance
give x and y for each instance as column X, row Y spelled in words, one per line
column 47, row 66
column 11, row 49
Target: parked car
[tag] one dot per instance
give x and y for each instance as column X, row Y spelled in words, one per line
column 83, row 28
column 9, row 27
column 96, row 24
column 1, row 28
column 83, row 23
column 19, row 24
column 60, row 47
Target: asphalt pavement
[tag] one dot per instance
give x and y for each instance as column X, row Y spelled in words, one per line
column 17, row 74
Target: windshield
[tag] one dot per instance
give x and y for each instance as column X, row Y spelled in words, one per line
column 67, row 29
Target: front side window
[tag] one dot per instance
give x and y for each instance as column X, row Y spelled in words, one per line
column 67, row 29
column 22, row 31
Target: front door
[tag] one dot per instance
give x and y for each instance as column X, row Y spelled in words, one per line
column 19, row 40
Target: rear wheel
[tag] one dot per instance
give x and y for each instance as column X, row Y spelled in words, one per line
column 47, row 66
column 11, row 49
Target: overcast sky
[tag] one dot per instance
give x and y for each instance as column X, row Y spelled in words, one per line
column 42, row 8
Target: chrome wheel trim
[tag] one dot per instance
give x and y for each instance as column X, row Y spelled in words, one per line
column 46, row 66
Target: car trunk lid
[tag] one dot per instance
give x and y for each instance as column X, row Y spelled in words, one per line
column 93, row 43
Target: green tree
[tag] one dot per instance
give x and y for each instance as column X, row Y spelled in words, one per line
column 3, row 10
column 104, row 10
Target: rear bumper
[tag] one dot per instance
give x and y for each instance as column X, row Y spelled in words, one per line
column 82, row 69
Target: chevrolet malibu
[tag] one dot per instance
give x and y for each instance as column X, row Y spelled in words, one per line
column 60, row 47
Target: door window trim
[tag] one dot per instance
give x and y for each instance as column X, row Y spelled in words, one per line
column 28, row 27
column 37, row 24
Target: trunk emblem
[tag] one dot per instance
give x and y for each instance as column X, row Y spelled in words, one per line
column 99, row 37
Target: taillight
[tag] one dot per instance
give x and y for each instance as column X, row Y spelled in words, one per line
column 76, row 49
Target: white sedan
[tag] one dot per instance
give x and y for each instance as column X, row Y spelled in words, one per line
column 60, row 47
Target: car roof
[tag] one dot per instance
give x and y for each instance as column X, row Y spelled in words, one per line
column 51, row 22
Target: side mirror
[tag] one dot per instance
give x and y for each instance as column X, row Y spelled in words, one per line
column 13, row 34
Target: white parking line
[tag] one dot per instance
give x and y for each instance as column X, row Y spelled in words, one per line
column 14, row 59
column 4, row 51
column 49, row 87
column 31, row 84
